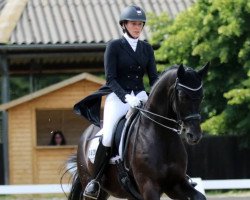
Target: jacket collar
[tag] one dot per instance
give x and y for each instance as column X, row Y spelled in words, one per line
column 136, row 55
column 133, row 42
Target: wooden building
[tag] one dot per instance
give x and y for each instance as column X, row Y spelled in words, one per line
column 30, row 122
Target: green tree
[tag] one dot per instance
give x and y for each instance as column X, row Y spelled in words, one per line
column 217, row 31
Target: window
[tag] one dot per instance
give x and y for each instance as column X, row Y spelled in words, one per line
column 65, row 120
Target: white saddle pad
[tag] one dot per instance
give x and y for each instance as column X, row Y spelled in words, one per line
column 94, row 145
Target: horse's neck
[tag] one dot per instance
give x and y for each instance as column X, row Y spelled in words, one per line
column 160, row 101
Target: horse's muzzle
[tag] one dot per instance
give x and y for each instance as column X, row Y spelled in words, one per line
column 193, row 132
column 193, row 138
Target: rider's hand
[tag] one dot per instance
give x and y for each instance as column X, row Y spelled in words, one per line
column 133, row 101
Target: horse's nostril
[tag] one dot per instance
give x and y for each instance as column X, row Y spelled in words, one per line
column 193, row 138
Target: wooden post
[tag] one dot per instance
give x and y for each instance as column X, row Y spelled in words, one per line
column 9, row 17
column 5, row 99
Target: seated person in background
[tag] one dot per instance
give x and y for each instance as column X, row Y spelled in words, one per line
column 57, row 138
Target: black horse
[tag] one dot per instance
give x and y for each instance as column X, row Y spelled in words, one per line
column 156, row 155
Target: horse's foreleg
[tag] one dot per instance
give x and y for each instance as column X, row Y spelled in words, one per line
column 185, row 191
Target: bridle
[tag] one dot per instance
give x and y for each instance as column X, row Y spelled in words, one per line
column 180, row 121
column 187, row 90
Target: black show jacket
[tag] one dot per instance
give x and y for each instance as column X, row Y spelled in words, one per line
column 125, row 67
column 124, row 70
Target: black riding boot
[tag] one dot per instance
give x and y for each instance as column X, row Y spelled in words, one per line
column 102, row 157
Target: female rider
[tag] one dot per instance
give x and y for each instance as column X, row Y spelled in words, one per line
column 126, row 60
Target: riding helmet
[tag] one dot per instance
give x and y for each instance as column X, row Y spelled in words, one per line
column 132, row 13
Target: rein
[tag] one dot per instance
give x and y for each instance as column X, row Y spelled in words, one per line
column 179, row 122
column 146, row 112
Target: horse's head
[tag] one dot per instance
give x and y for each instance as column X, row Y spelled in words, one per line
column 188, row 97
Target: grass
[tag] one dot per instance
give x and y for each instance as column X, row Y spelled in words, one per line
column 228, row 192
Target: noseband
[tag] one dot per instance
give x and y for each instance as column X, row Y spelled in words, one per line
column 180, row 121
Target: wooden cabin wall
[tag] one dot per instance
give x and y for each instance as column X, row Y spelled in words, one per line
column 32, row 164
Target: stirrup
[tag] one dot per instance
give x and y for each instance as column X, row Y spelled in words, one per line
column 93, row 196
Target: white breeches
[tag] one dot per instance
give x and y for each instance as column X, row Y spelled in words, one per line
column 114, row 109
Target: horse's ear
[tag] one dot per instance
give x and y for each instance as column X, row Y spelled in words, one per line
column 203, row 71
column 181, row 71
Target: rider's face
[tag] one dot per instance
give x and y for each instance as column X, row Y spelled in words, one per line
column 134, row 28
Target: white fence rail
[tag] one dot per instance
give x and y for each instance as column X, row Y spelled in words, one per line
column 202, row 186
column 34, row 189
column 226, row 184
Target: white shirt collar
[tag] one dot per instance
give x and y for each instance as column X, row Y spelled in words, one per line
column 133, row 42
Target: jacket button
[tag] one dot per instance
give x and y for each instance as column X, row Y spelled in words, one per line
column 139, row 67
column 128, row 76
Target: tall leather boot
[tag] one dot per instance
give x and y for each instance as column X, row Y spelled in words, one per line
column 102, row 157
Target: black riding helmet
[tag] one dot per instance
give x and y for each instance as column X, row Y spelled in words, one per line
column 132, row 13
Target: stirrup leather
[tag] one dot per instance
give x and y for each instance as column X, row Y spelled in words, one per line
column 96, row 195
